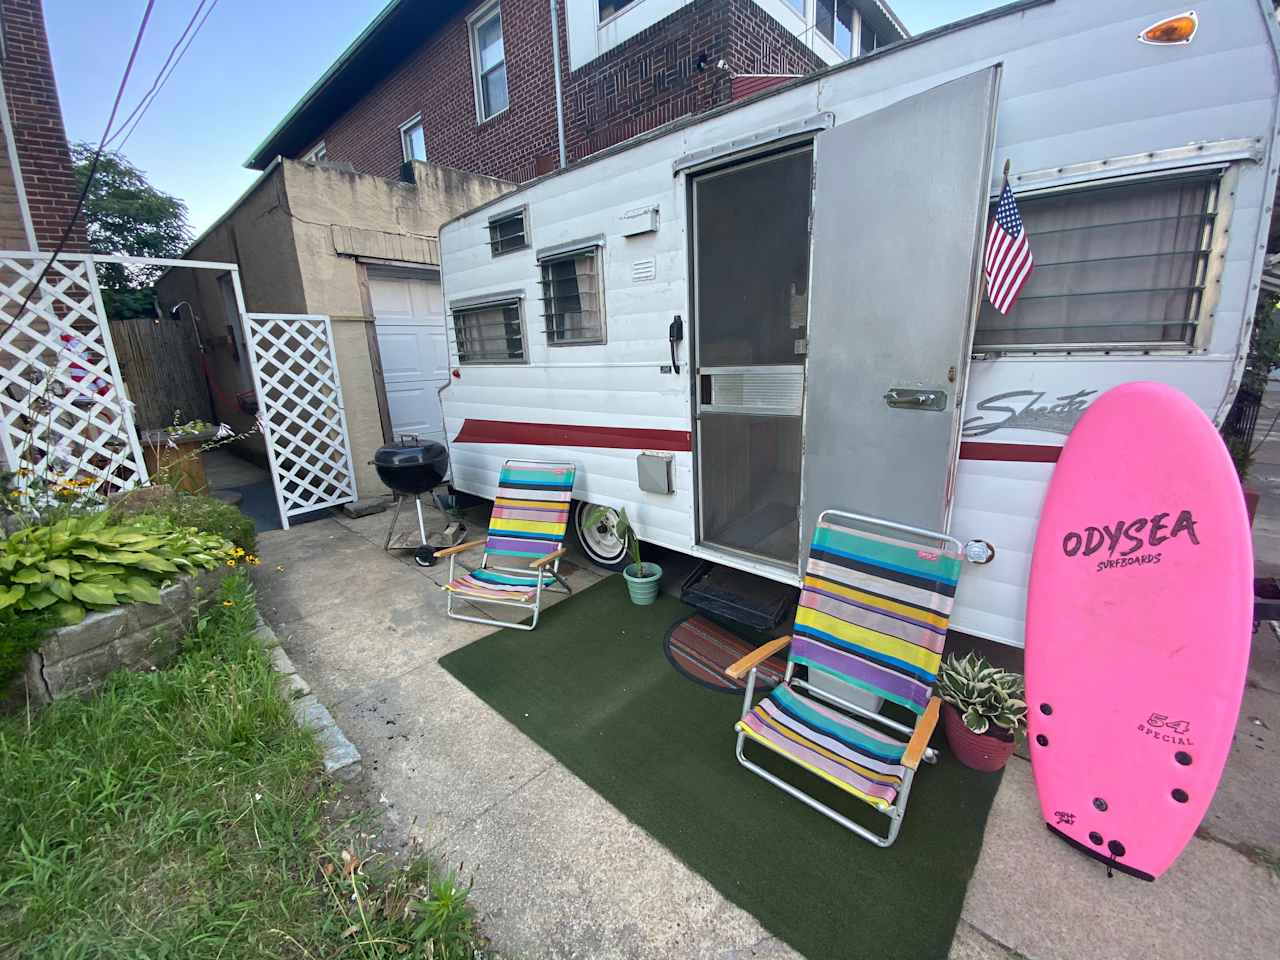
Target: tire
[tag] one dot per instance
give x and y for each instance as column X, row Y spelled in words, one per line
column 599, row 546
column 425, row 556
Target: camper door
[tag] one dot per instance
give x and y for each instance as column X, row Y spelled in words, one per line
column 899, row 211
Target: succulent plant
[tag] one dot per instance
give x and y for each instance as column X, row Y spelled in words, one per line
column 984, row 694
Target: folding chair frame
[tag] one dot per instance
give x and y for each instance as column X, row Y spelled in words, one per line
column 535, row 604
column 898, row 809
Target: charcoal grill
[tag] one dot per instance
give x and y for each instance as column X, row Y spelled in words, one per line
column 412, row 468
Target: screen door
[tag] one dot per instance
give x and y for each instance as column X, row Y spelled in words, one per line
column 899, row 211
column 751, row 271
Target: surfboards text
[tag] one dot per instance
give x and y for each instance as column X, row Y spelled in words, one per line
column 1134, row 534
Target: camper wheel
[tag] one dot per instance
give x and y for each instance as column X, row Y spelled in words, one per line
column 599, row 540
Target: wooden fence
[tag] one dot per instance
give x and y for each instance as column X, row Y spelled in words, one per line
column 160, row 363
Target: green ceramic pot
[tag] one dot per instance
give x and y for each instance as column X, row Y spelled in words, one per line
column 643, row 589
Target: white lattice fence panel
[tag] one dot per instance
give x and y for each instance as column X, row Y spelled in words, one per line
column 300, row 406
column 63, row 412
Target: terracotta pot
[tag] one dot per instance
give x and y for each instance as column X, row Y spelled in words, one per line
column 978, row 751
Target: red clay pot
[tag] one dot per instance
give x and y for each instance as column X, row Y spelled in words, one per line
column 978, row 751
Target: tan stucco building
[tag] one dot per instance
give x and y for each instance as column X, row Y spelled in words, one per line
column 318, row 239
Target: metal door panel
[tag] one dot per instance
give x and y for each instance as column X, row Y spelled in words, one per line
column 900, row 203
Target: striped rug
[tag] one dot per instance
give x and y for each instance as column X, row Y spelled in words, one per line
column 700, row 650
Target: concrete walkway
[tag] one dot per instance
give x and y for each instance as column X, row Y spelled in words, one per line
column 559, row 873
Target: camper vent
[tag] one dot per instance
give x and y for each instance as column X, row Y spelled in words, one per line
column 507, row 232
column 644, row 270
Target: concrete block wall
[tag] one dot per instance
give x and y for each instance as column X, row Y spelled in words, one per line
column 38, row 132
column 138, row 636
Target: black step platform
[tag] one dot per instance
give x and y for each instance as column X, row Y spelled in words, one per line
column 739, row 597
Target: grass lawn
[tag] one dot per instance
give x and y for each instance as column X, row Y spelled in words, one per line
column 181, row 814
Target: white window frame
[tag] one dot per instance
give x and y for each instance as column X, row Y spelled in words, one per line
column 571, row 251
column 408, row 125
column 474, row 22
column 316, row 154
column 523, row 213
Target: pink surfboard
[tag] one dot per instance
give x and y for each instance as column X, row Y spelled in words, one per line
column 1139, row 617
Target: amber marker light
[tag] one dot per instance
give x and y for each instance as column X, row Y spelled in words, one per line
column 1179, row 29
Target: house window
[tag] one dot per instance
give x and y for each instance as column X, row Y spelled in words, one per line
column 797, row 6
column 572, row 305
column 489, row 60
column 834, row 20
column 507, row 232
column 316, row 154
column 869, row 39
column 413, row 141
column 1123, row 264
column 489, row 333
column 610, row 8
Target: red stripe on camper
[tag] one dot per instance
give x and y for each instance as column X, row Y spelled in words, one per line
column 573, row 435
column 1011, row 452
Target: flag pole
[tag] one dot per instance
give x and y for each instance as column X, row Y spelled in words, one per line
column 1006, row 174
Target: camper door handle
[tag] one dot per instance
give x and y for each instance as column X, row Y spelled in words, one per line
column 907, row 399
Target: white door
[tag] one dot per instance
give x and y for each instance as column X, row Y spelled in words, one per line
column 409, row 320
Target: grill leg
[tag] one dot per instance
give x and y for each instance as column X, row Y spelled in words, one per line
column 422, row 530
column 394, row 519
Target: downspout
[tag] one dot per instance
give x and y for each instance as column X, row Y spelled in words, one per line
column 555, row 53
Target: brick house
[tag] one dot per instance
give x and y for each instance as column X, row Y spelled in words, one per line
column 400, row 91
column 38, row 188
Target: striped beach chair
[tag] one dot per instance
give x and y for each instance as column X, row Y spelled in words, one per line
column 867, row 643
column 524, row 545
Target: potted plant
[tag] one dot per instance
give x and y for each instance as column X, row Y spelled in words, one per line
column 983, row 707
column 642, row 578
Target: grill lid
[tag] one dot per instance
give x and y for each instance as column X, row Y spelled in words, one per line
column 413, row 453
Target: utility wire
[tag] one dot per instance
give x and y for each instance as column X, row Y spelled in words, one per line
column 93, row 169
column 162, row 78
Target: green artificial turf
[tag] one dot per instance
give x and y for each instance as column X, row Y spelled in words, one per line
column 592, row 687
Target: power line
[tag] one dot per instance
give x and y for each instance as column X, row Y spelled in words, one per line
column 93, row 169
column 162, row 77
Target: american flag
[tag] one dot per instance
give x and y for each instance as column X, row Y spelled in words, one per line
column 1008, row 259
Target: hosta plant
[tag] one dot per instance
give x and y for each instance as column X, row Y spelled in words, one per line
column 985, row 695
column 85, row 563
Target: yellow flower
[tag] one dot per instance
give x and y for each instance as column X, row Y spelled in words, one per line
column 231, row 563
column 15, row 493
column 228, row 603
column 255, row 561
column 238, row 552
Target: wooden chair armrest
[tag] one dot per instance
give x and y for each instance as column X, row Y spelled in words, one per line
column 740, row 668
column 447, row 551
column 920, row 738
column 550, row 557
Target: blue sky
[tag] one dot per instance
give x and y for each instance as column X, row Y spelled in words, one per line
column 248, row 66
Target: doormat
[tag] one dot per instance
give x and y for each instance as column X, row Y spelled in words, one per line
column 701, row 649
column 595, row 692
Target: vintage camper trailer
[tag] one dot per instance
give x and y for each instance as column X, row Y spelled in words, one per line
column 739, row 320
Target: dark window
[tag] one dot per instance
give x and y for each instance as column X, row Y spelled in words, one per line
column 834, row 20
column 1121, row 264
column 869, row 39
column 507, row 233
column 609, row 7
column 491, row 333
column 571, row 301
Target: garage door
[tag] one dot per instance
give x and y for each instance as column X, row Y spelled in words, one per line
column 409, row 320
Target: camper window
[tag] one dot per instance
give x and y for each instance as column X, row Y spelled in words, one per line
column 1116, row 265
column 571, row 301
column 489, row 333
column 507, row 232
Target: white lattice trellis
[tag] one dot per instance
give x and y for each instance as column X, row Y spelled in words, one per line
column 301, row 412
column 63, row 411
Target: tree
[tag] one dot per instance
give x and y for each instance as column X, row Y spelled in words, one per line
column 123, row 213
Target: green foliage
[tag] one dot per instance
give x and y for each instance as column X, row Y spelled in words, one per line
column 126, row 214
column 88, row 563
column 624, row 531
column 986, row 695
column 1264, row 345
column 20, row 633
column 207, row 515
column 180, row 813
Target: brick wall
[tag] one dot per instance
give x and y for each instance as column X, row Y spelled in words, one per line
column 38, row 133
column 647, row 81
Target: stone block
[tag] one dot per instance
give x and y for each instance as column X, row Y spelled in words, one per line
column 95, row 630
column 341, row 758
column 175, row 601
column 293, row 687
column 280, row 661
column 364, row 508
column 153, row 646
column 81, row 673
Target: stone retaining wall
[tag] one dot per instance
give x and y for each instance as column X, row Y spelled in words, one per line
column 136, row 636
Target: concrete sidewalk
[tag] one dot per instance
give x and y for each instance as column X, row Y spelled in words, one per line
column 559, row 873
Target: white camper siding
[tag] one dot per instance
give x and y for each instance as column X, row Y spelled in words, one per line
column 1077, row 88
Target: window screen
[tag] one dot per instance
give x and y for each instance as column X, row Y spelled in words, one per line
column 491, row 333
column 507, row 232
column 1115, row 265
column 571, row 300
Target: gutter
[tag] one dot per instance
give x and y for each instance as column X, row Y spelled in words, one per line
column 555, row 53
